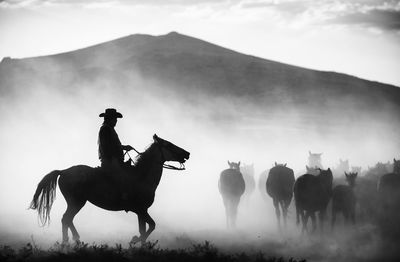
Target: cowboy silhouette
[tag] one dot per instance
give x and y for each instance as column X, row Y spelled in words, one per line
column 111, row 153
column 111, row 150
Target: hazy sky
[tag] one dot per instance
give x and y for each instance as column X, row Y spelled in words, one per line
column 358, row 37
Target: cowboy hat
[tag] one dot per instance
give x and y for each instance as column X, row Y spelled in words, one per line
column 111, row 112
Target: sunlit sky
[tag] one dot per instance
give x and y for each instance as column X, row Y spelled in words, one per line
column 358, row 37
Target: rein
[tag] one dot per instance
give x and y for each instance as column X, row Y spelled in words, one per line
column 166, row 166
column 182, row 167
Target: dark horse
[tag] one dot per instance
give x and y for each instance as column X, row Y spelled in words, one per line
column 389, row 201
column 231, row 186
column 312, row 194
column 82, row 183
column 344, row 200
column 279, row 186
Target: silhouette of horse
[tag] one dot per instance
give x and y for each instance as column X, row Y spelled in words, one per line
column 312, row 194
column 279, row 187
column 389, row 200
column 80, row 184
column 231, row 186
column 314, row 159
column 344, row 200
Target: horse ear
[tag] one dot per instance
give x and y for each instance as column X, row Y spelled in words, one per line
column 307, row 167
column 394, row 160
column 355, row 174
column 309, row 152
column 229, row 163
column 285, row 164
column 239, row 163
column 155, row 138
column 276, row 163
column 346, row 174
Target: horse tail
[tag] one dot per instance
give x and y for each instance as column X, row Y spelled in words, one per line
column 44, row 196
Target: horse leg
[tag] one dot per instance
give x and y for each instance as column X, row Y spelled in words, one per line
column 144, row 218
column 304, row 219
column 72, row 209
column 226, row 205
column 321, row 216
column 235, row 206
column 277, row 212
column 313, row 221
column 333, row 218
column 285, row 206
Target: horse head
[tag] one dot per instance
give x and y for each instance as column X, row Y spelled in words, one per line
column 356, row 169
column 326, row 178
column 314, row 159
column 351, row 178
column 284, row 165
column 171, row 152
column 233, row 165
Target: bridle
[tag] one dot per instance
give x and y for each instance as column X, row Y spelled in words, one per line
column 166, row 166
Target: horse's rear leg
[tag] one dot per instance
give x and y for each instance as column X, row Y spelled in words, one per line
column 285, row 206
column 333, row 218
column 72, row 209
column 277, row 212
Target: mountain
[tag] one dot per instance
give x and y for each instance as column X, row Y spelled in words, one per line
column 197, row 70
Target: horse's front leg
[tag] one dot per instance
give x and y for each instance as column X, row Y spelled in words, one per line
column 144, row 218
column 152, row 225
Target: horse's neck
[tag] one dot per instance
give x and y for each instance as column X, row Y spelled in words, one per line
column 151, row 168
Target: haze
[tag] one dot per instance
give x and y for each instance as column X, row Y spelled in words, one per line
column 46, row 128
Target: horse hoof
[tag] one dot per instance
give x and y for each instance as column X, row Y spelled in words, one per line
column 134, row 240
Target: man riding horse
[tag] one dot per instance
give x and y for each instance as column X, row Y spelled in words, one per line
column 111, row 153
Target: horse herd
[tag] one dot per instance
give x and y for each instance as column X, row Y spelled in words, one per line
column 312, row 191
column 316, row 188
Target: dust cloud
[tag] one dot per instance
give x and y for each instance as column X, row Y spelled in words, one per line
column 45, row 128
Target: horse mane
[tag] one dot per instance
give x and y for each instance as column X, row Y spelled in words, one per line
column 143, row 159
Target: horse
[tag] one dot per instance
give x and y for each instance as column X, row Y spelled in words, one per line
column 312, row 194
column 231, row 185
column 344, row 200
column 279, row 187
column 81, row 183
column 389, row 201
column 314, row 159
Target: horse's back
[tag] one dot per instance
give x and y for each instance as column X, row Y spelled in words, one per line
column 389, row 182
column 389, row 190
column 231, row 182
column 280, row 182
column 308, row 193
column 76, row 176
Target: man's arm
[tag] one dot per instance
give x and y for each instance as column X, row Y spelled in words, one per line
column 127, row 148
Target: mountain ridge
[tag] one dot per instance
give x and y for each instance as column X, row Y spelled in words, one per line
column 190, row 66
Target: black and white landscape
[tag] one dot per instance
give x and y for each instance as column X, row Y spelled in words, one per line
column 221, row 105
